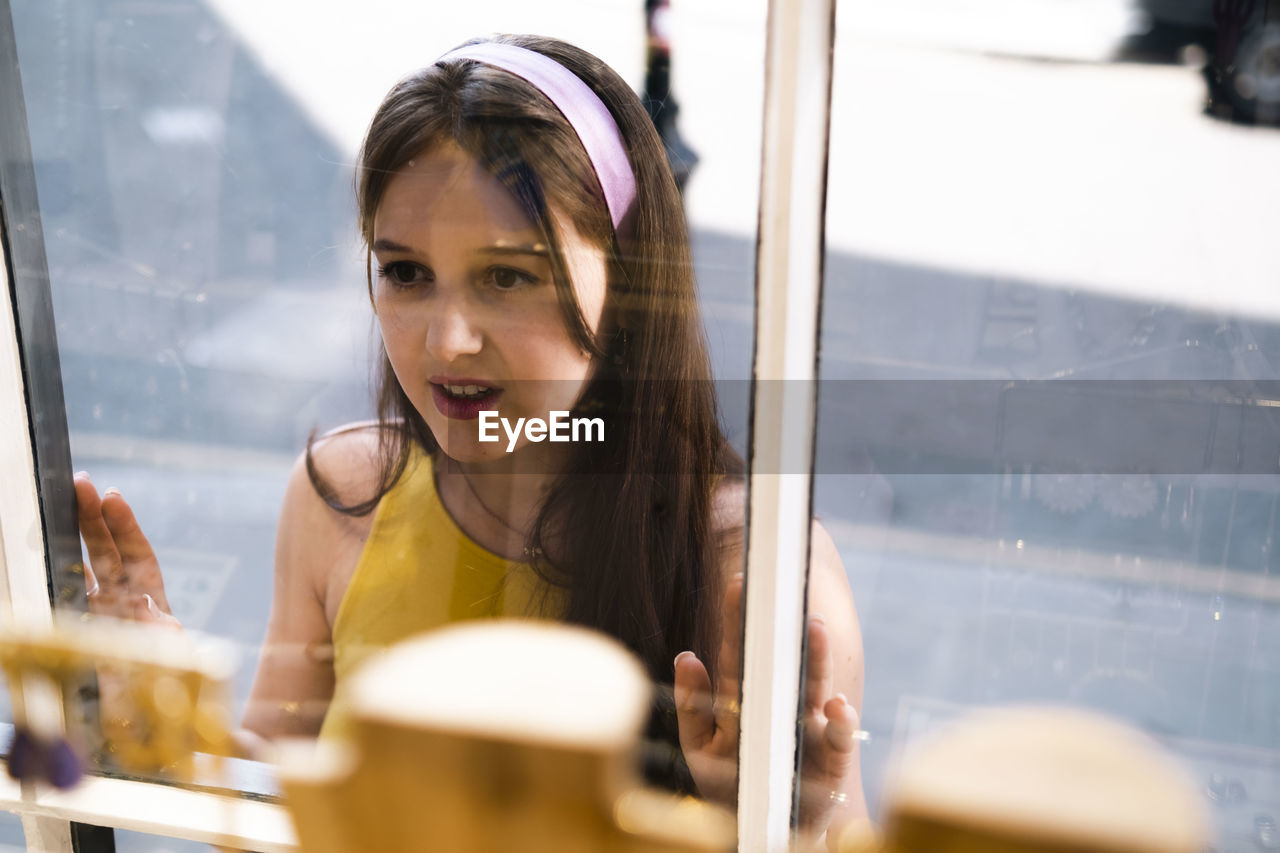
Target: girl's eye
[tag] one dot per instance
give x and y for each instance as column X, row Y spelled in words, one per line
column 402, row 273
column 506, row 278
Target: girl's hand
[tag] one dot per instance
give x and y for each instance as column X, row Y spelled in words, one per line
column 122, row 580
column 830, row 738
column 122, row 576
column 708, row 722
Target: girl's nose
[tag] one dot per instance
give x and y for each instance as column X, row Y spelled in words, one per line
column 453, row 330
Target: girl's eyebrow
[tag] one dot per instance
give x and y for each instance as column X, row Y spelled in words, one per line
column 385, row 245
column 537, row 250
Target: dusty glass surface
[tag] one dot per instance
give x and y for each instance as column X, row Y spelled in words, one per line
column 11, row 835
column 194, row 162
column 142, row 842
column 1047, row 452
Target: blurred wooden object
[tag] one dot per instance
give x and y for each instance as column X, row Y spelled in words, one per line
column 492, row 736
column 165, row 695
column 1036, row 779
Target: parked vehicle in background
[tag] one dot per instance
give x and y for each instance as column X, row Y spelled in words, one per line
column 1181, row 13
column 1252, row 87
column 1242, row 40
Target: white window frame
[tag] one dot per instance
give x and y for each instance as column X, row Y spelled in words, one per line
column 24, row 601
column 797, row 108
column 797, row 98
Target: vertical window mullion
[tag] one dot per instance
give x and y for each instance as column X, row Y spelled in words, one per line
column 784, row 408
column 26, row 313
column 24, row 593
column 46, row 834
column 21, row 246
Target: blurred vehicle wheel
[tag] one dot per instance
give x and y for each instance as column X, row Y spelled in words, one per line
column 1253, row 87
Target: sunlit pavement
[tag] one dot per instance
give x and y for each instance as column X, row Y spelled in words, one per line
column 986, row 136
column 977, row 147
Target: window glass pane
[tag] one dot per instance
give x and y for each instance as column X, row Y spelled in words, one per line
column 195, row 165
column 11, row 835
column 1048, row 257
column 141, row 842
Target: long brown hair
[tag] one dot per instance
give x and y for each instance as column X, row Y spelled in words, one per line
column 628, row 523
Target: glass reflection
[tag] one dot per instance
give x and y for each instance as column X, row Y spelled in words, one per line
column 501, row 281
column 12, row 837
column 193, row 169
column 1047, row 441
column 141, row 842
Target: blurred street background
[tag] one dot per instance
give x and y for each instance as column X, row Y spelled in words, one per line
column 1016, row 192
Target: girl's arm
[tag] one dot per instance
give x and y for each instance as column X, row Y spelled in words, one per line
column 294, row 680
column 316, row 549
column 124, row 581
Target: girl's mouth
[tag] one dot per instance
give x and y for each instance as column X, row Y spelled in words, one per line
column 464, row 402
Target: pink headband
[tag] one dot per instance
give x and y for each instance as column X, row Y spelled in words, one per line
column 583, row 109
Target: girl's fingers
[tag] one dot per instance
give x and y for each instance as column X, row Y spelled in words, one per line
column 819, row 667
column 145, row 610
column 122, row 577
column 707, row 720
column 140, row 568
column 727, row 663
column 709, row 754
column 98, row 541
column 842, row 725
column 694, row 717
column 828, row 761
column 830, row 742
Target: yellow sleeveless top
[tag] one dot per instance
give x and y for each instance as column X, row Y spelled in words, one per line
column 419, row 571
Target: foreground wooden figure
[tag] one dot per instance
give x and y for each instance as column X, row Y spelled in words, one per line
column 164, row 698
column 1030, row 780
column 492, row 736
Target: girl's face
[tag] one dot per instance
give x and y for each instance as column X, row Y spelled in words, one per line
column 467, row 305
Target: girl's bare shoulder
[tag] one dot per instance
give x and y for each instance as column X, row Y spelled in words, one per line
column 729, row 506
column 729, row 521
column 346, row 462
column 729, row 526
column 313, row 538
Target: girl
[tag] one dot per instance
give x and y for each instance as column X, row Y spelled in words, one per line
column 527, row 254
